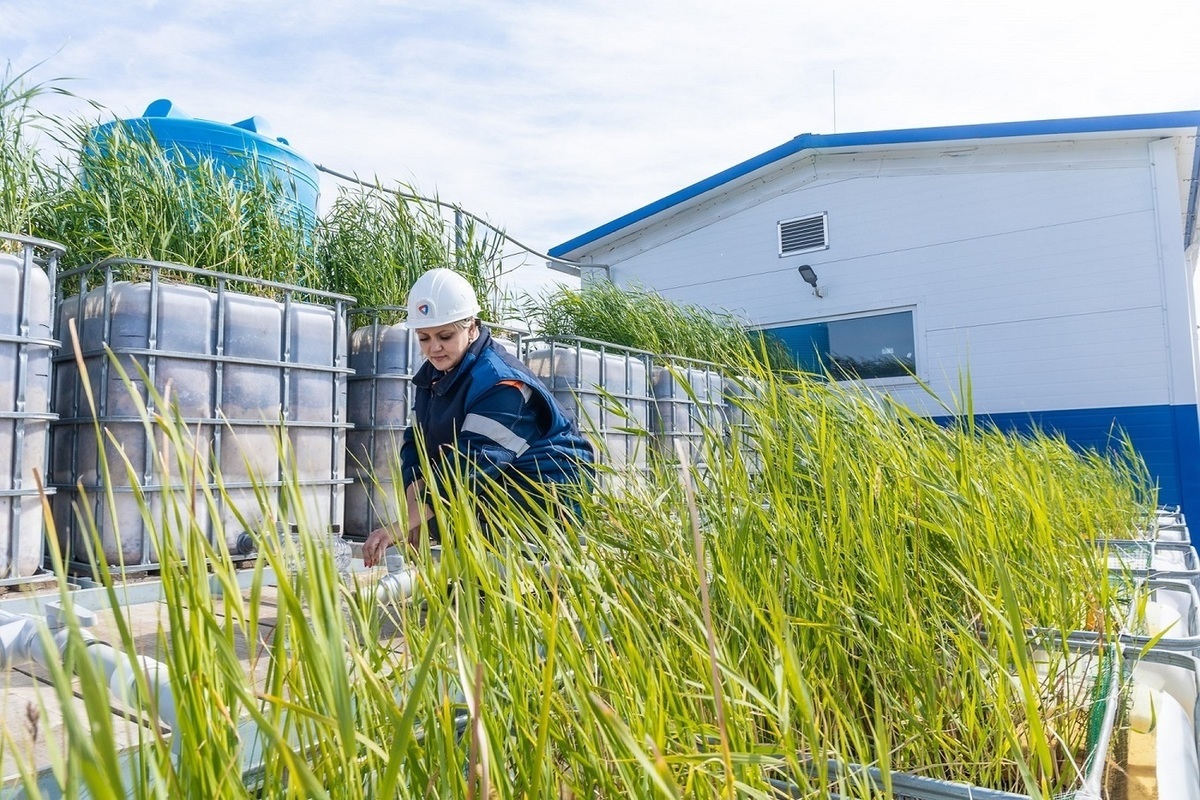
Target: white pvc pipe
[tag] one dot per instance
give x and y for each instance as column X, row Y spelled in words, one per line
column 22, row 640
column 396, row 587
column 400, row 582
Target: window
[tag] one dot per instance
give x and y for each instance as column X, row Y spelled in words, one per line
column 875, row 346
column 803, row 235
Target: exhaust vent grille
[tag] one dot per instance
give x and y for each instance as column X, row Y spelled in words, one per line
column 803, row 235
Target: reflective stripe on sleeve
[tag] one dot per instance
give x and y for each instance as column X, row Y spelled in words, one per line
column 525, row 391
column 498, row 433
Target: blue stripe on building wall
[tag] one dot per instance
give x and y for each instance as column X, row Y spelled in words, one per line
column 1166, row 437
column 1187, row 454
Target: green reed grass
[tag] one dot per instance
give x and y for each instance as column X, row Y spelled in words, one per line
column 643, row 319
column 125, row 196
column 26, row 180
column 874, row 584
column 375, row 242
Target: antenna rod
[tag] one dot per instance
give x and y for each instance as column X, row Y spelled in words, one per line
column 835, row 101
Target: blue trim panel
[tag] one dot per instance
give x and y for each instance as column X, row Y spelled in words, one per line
column 818, row 141
column 1187, row 455
column 1167, row 437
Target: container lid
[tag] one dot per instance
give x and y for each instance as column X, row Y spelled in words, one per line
column 166, row 109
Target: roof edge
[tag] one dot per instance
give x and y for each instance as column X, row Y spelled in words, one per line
column 818, row 141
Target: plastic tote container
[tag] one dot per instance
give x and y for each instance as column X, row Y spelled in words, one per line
column 606, row 390
column 689, row 398
column 27, row 274
column 384, row 357
column 1166, row 524
column 739, row 393
column 1095, row 679
column 259, row 380
column 1164, row 614
column 1155, row 555
column 1162, row 740
column 1169, row 619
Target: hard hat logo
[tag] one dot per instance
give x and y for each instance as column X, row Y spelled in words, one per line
column 439, row 297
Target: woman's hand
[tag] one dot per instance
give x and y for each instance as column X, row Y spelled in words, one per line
column 377, row 543
column 380, row 539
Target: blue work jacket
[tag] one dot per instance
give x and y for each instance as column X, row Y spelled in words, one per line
column 493, row 412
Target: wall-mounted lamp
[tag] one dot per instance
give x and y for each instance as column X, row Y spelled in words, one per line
column 810, row 277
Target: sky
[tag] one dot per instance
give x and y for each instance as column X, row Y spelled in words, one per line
column 551, row 117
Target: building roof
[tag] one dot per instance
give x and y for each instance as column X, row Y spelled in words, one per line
column 1186, row 121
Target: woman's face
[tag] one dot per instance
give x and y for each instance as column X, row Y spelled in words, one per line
column 445, row 345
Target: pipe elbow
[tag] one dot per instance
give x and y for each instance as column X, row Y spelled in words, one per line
column 396, row 586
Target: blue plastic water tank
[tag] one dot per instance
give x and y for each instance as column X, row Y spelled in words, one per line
column 231, row 148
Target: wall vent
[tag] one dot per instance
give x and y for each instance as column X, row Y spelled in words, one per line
column 803, row 235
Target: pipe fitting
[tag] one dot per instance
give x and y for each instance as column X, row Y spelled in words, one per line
column 23, row 639
column 399, row 583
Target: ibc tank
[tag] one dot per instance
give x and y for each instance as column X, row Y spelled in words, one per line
column 605, row 389
column 248, row 374
column 384, row 357
column 232, row 148
column 740, row 392
column 689, row 397
column 27, row 270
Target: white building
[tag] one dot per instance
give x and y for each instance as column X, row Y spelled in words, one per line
column 1053, row 260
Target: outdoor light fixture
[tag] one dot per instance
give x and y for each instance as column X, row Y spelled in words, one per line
column 810, row 277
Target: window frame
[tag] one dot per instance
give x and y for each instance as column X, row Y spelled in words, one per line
column 907, row 379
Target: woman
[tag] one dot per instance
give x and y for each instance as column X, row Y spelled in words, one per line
column 477, row 409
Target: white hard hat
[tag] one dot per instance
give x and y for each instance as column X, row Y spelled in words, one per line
column 439, row 297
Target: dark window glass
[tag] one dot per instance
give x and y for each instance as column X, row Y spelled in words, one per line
column 878, row 346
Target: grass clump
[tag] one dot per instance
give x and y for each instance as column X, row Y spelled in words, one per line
column 125, row 196
column 25, row 179
column 644, row 320
column 870, row 594
column 375, row 243
column 873, row 584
